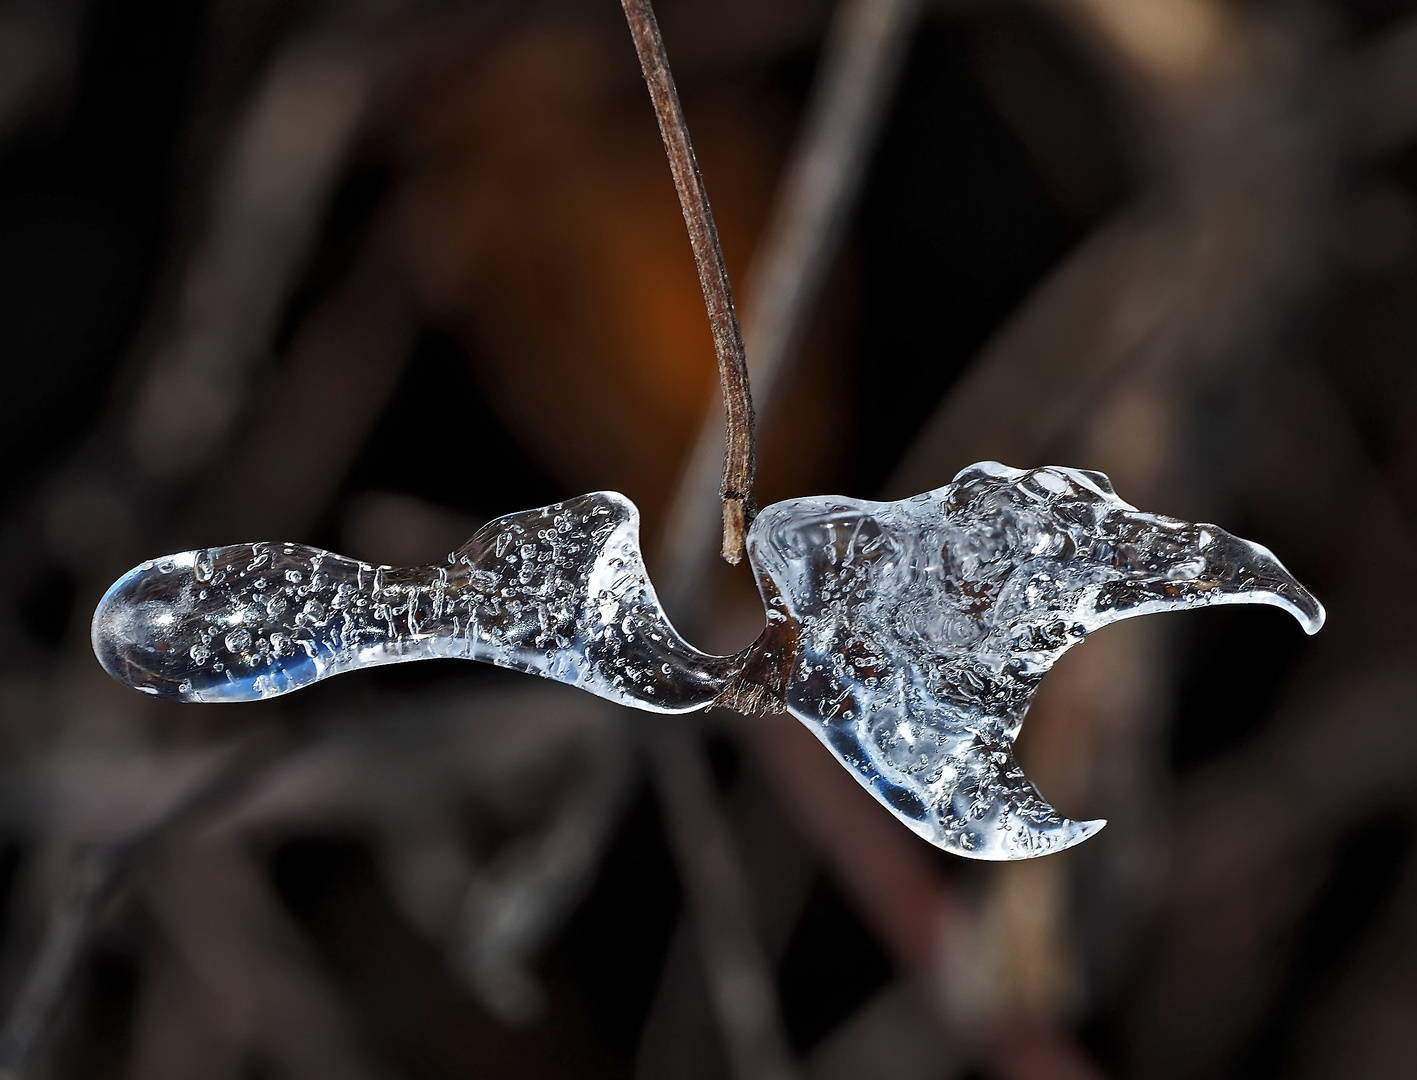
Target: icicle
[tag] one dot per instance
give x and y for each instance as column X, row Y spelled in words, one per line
column 908, row 636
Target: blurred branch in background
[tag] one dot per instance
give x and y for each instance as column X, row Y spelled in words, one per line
column 1383, row 89
column 286, row 154
column 97, row 869
column 39, row 43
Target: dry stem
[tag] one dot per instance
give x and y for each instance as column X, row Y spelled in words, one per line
column 736, row 490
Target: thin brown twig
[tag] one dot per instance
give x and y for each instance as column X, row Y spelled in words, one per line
column 855, row 81
column 739, row 976
column 736, row 490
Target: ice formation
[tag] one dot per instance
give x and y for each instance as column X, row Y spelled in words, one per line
column 908, row 636
column 923, row 627
column 560, row 592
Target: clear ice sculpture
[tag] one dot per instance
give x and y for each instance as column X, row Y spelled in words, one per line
column 908, row 636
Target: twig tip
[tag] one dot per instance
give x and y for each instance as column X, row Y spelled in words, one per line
column 735, row 529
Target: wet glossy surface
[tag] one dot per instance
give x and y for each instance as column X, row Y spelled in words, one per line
column 560, row 592
column 924, row 626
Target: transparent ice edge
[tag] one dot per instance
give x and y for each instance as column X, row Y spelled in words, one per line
column 908, row 636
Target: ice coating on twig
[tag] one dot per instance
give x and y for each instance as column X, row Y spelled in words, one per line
column 908, row 636
column 923, row 627
column 560, row 592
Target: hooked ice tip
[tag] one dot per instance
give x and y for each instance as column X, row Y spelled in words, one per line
column 1312, row 615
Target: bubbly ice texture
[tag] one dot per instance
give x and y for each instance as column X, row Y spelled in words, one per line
column 920, row 629
column 908, row 636
column 560, row 592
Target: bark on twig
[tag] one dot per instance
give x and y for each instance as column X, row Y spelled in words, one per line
column 1384, row 92
column 736, row 492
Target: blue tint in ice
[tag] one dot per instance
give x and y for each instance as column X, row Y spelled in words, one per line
column 923, row 627
column 908, row 636
column 560, row 592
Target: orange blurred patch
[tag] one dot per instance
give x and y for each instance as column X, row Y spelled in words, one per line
column 543, row 227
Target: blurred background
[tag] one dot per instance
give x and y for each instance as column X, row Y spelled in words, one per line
column 368, row 273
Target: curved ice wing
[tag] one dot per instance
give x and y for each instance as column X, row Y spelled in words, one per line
column 923, row 627
column 560, row 592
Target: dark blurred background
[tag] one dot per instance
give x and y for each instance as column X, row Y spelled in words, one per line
column 368, row 273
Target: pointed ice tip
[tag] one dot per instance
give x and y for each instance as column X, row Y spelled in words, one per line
column 1243, row 572
column 1078, row 831
column 1022, row 840
column 1309, row 612
column 1293, row 598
